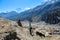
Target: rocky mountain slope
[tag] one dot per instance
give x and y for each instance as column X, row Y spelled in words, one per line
column 8, row 26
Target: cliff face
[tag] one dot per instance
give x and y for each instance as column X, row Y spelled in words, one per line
column 7, row 27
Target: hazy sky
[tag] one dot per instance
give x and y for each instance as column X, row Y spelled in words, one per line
column 18, row 5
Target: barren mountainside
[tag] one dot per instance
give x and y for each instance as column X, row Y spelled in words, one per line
column 7, row 26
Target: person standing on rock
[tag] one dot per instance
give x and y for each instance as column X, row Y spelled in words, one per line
column 19, row 23
column 30, row 28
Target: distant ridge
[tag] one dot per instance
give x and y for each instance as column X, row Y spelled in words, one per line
column 36, row 13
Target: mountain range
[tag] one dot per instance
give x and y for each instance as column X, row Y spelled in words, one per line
column 39, row 13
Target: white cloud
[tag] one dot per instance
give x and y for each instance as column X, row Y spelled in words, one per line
column 22, row 9
column 26, row 8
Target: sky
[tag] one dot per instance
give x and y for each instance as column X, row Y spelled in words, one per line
column 19, row 5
